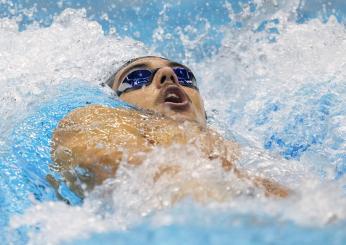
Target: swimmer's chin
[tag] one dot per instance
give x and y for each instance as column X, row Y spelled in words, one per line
column 181, row 113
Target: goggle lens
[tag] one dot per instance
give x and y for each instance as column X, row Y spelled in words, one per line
column 143, row 77
column 185, row 77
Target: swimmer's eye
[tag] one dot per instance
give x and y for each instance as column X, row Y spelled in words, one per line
column 143, row 77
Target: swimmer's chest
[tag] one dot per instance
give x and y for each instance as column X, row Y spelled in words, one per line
column 118, row 127
column 156, row 130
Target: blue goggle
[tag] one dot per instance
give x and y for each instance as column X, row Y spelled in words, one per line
column 143, row 77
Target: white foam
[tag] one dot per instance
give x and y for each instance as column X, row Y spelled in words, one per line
column 35, row 61
column 122, row 202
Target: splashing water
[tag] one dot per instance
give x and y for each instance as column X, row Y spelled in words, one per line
column 275, row 86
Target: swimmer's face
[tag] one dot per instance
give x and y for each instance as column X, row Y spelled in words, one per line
column 164, row 94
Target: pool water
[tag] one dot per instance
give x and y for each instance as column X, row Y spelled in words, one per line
column 272, row 74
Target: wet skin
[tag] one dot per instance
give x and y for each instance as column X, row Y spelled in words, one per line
column 98, row 138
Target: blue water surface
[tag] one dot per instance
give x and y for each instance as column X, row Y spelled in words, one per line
column 139, row 21
column 26, row 164
column 226, row 229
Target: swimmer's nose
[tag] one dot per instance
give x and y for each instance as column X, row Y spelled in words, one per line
column 165, row 75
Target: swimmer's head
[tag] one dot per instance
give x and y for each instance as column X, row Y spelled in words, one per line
column 160, row 85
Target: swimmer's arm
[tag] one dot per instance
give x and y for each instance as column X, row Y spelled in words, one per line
column 229, row 152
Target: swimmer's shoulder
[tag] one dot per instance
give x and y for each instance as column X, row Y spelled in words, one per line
column 98, row 113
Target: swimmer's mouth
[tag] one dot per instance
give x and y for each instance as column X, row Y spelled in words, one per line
column 175, row 98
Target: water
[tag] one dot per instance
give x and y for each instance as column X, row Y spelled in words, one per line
column 273, row 77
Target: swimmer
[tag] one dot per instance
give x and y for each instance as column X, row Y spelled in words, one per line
column 168, row 109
